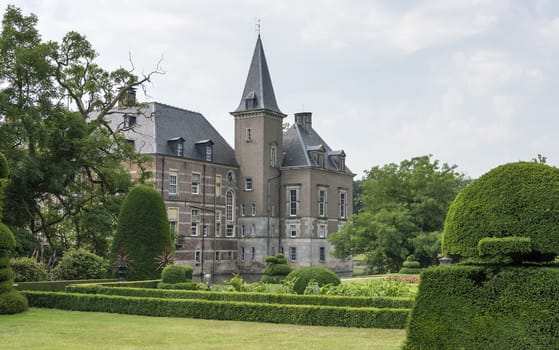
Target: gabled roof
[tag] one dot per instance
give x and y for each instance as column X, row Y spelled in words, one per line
column 297, row 143
column 194, row 129
column 258, row 87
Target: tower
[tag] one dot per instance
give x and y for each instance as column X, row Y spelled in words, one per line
column 258, row 150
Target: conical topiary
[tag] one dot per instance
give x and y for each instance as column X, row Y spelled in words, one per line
column 11, row 301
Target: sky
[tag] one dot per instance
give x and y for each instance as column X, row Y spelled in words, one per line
column 474, row 83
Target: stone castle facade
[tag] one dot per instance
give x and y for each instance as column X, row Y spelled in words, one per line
column 276, row 191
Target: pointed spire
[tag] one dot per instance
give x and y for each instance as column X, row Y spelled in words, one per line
column 258, row 92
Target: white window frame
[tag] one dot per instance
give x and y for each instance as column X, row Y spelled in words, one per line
column 322, row 202
column 293, row 230
column 321, row 254
column 342, row 204
column 197, row 256
column 230, row 230
column 293, row 253
column 253, row 209
column 195, row 183
column 249, row 184
column 217, row 223
column 218, row 185
column 243, row 209
column 293, row 198
column 209, row 153
column 322, row 230
column 173, row 182
column 230, row 206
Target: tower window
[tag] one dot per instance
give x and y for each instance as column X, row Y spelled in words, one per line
column 248, row 134
column 248, row 184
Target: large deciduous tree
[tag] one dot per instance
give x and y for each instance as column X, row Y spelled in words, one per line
column 403, row 211
column 55, row 100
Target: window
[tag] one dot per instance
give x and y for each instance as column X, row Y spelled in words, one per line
column 273, row 156
column 253, row 230
column 253, row 209
column 229, row 232
column 242, row 210
column 180, row 149
column 293, row 197
column 194, row 229
column 217, row 256
column 129, row 121
column 173, row 215
column 173, row 174
column 293, row 253
column 243, row 230
column 341, row 164
column 242, row 253
column 195, row 183
column 322, row 202
column 252, row 253
column 205, row 230
column 195, row 215
column 248, row 184
column 292, row 230
column 194, row 222
column 231, row 176
column 230, row 255
column 218, row 223
column 320, row 159
column 343, row 204
column 209, row 153
column 197, row 257
column 322, row 254
column 218, row 185
column 229, row 203
column 132, row 143
column 248, row 135
column 322, row 231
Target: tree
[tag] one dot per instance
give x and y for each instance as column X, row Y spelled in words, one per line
column 143, row 231
column 67, row 176
column 404, row 208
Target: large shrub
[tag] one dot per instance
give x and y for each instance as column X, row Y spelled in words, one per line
column 276, row 270
column 28, row 270
column 516, row 205
column 321, row 275
column 79, row 264
column 473, row 307
column 176, row 274
column 143, row 231
column 11, row 301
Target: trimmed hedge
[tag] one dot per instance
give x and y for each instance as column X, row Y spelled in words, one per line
column 221, row 310
column 506, row 246
column 481, row 307
column 176, row 274
column 379, row 302
column 513, row 200
column 321, row 275
column 180, row 285
column 54, row 286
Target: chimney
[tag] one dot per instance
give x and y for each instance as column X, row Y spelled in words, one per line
column 305, row 120
column 129, row 98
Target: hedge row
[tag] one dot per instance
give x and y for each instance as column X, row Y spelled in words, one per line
column 53, row 286
column 325, row 300
column 475, row 307
column 224, row 310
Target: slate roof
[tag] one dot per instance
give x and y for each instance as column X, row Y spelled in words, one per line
column 172, row 123
column 258, row 85
column 297, row 143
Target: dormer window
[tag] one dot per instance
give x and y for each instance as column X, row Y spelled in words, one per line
column 129, row 121
column 338, row 158
column 206, row 149
column 250, row 100
column 316, row 154
column 176, row 144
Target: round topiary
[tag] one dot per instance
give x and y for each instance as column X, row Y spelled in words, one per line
column 28, row 270
column 276, row 270
column 143, row 231
column 12, row 303
column 321, row 275
column 512, row 210
column 176, row 274
column 79, row 264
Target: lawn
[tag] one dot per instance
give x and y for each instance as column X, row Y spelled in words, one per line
column 57, row 329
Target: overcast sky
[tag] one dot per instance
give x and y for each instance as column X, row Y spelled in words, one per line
column 472, row 82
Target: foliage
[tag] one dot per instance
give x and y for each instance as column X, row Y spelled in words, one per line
column 403, row 206
column 180, row 285
column 276, row 270
column 237, row 282
column 410, row 266
column 143, row 230
column 66, row 163
column 513, row 200
column 321, row 275
column 372, row 288
column 224, row 310
column 54, row 286
column 12, row 302
column 28, row 270
column 167, row 257
column 79, row 264
column 473, row 307
column 176, row 273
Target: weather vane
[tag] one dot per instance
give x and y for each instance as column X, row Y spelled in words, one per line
column 257, row 26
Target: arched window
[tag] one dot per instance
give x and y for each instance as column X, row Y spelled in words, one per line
column 229, row 204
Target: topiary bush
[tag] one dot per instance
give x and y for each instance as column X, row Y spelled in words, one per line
column 143, row 230
column 176, row 274
column 300, row 278
column 513, row 200
column 79, row 264
column 410, row 266
column 276, row 270
column 28, row 270
column 11, row 301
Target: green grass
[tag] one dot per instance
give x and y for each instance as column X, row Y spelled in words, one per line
column 56, row 329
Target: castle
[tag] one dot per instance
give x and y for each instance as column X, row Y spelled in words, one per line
column 276, row 192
